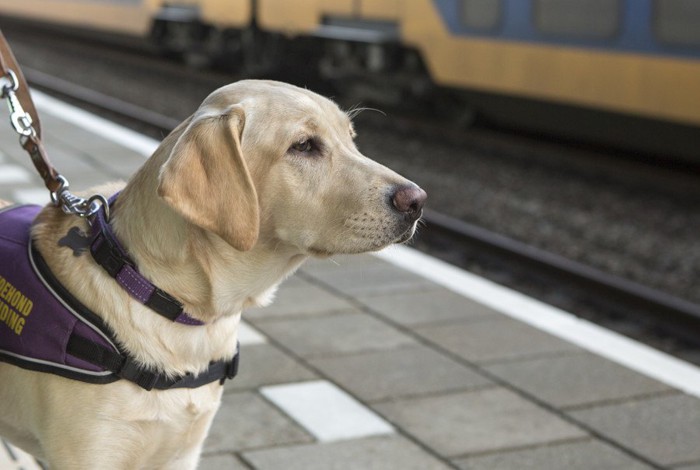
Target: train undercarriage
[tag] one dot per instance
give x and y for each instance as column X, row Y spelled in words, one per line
column 365, row 59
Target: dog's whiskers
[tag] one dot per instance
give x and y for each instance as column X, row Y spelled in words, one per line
column 355, row 110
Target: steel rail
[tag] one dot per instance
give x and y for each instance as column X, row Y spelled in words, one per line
column 679, row 315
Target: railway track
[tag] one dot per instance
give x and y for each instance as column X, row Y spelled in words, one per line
column 455, row 239
column 614, row 294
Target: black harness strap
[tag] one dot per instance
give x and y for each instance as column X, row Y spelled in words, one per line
column 127, row 368
column 109, row 257
column 108, row 253
column 119, row 361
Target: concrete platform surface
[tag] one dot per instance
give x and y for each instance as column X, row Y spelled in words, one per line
column 368, row 362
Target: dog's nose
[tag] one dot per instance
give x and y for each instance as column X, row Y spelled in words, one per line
column 409, row 200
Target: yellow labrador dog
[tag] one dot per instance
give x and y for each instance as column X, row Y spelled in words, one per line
column 261, row 177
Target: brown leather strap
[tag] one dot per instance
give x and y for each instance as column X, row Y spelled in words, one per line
column 32, row 144
column 40, row 159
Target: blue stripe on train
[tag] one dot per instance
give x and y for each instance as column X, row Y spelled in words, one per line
column 635, row 34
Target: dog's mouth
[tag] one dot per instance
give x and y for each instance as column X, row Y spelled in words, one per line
column 364, row 242
column 408, row 234
column 319, row 253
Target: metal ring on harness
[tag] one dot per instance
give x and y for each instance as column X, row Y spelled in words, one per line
column 95, row 202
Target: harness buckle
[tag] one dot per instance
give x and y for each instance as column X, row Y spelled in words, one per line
column 133, row 372
column 231, row 367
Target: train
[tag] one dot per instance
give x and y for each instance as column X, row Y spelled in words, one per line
column 570, row 67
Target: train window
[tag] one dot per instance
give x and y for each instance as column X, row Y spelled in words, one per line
column 595, row 19
column 678, row 22
column 482, row 15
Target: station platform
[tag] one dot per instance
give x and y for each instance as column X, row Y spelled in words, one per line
column 399, row 361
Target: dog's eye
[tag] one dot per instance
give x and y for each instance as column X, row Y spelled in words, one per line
column 304, row 146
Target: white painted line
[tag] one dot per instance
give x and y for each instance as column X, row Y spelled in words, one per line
column 121, row 135
column 38, row 196
column 325, row 411
column 247, row 335
column 11, row 174
column 630, row 353
column 12, row 458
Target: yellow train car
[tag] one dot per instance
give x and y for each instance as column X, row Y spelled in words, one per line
column 552, row 50
column 130, row 17
column 615, row 72
column 644, row 80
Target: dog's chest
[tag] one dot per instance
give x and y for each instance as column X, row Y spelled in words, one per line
column 172, row 408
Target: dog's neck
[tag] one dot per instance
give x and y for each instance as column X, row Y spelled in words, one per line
column 211, row 278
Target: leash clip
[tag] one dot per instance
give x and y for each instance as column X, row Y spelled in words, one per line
column 76, row 205
column 20, row 119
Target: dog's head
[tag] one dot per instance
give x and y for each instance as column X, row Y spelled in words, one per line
column 267, row 162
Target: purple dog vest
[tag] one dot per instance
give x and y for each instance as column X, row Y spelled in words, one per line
column 35, row 323
column 44, row 328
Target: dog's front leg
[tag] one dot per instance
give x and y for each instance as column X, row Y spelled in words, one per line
column 187, row 449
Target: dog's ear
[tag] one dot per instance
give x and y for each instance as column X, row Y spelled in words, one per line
column 206, row 179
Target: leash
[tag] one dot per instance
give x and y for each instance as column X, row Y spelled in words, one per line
column 25, row 121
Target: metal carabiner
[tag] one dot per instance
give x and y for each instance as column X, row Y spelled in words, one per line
column 76, row 205
column 63, row 185
column 62, row 197
column 20, row 119
column 12, row 86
